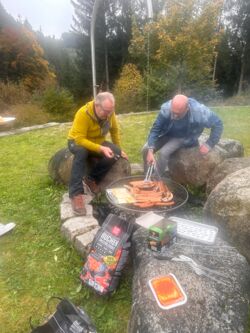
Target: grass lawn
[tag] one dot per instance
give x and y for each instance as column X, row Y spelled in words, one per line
column 35, row 262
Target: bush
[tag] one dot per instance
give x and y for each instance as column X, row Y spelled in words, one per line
column 241, row 99
column 13, row 93
column 160, row 89
column 163, row 86
column 58, row 102
column 26, row 115
column 128, row 90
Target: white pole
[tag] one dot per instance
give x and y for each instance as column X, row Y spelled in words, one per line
column 150, row 16
column 150, row 9
column 92, row 42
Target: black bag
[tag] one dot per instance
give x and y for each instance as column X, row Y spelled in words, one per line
column 67, row 319
column 108, row 255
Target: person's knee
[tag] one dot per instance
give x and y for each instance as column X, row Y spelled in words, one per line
column 164, row 153
column 81, row 154
column 168, row 149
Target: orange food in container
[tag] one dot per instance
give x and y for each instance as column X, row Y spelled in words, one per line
column 167, row 291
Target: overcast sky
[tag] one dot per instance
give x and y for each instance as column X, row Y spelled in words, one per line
column 53, row 17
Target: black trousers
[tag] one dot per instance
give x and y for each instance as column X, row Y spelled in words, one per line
column 82, row 161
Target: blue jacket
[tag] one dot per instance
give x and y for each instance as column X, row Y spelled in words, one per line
column 199, row 117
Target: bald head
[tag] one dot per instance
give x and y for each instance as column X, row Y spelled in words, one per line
column 179, row 106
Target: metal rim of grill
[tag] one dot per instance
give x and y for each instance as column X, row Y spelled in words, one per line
column 179, row 191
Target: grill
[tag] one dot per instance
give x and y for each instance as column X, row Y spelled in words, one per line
column 179, row 192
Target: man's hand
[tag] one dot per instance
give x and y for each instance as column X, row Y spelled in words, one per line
column 150, row 157
column 204, row 149
column 107, row 152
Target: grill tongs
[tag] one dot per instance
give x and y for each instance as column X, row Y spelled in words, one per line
column 151, row 168
column 149, row 173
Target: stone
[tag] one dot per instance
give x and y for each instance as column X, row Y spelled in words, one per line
column 211, row 306
column 229, row 206
column 120, row 169
column 28, row 129
column 229, row 147
column 137, row 169
column 66, row 211
column 78, row 230
column 77, row 226
column 60, row 165
column 187, row 166
column 82, row 243
column 225, row 168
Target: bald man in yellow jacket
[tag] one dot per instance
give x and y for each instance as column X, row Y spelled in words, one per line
column 87, row 138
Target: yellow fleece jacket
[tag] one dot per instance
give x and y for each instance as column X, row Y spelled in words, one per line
column 88, row 132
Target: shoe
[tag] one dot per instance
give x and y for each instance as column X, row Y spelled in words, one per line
column 78, row 205
column 4, row 228
column 91, row 184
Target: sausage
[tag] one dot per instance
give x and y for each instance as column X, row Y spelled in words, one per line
column 156, row 193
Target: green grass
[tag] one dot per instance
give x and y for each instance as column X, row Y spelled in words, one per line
column 35, row 261
column 236, row 124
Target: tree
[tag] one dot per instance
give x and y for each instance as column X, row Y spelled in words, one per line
column 228, row 66
column 21, row 57
column 128, row 90
column 237, row 20
column 83, row 15
column 61, row 56
column 182, row 43
column 5, row 18
column 113, row 32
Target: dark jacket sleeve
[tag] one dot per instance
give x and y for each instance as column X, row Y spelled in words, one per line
column 216, row 125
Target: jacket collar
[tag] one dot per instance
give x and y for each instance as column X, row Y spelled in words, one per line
column 90, row 111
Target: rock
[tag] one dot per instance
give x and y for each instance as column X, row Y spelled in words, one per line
column 78, row 230
column 229, row 147
column 211, row 306
column 187, row 166
column 120, row 169
column 28, row 129
column 82, row 243
column 66, row 208
column 227, row 167
column 229, row 205
column 77, row 226
column 61, row 163
column 137, row 169
column 60, row 166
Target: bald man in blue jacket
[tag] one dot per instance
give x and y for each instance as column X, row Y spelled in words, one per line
column 179, row 123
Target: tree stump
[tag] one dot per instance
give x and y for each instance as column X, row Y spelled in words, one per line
column 61, row 163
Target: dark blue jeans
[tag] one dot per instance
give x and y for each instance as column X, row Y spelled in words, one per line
column 83, row 161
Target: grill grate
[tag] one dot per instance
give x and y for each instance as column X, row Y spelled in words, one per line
column 179, row 192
